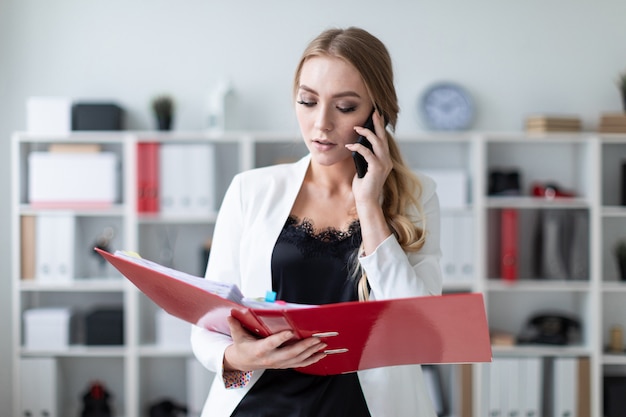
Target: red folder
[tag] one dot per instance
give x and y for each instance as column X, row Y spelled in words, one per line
column 148, row 177
column 360, row 335
column 508, row 255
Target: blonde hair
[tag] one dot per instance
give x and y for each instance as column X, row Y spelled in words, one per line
column 401, row 191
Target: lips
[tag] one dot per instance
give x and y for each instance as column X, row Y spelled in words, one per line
column 323, row 144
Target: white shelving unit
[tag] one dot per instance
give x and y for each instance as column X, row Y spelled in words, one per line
column 141, row 371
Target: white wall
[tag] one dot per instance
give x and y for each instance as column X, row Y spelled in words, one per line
column 516, row 58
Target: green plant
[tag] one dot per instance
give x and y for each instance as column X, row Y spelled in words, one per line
column 163, row 106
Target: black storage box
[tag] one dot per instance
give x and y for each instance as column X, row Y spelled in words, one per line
column 96, row 116
column 104, row 326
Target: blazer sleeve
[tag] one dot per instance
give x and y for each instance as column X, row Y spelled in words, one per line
column 393, row 273
column 224, row 264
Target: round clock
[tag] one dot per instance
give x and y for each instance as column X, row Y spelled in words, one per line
column 447, row 106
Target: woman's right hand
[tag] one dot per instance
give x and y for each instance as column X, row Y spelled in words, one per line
column 249, row 353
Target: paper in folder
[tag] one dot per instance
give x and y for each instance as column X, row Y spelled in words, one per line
column 417, row 330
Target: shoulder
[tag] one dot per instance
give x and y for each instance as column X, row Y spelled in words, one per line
column 274, row 171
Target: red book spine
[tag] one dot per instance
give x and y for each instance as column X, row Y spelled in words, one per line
column 508, row 239
column 148, row 177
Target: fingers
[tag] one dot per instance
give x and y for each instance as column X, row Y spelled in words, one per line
column 250, row 353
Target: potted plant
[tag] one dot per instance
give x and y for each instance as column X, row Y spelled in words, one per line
column 620, row 257
column 163, row 107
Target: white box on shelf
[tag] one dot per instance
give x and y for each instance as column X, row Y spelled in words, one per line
column 76, row 179
column 49, row 115
column 47, row 328
column 452, row 186
column 172, row 331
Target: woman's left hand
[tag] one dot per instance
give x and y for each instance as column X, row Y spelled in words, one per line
column 369, row 188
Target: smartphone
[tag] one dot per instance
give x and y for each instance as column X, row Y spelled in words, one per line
column 359, row 161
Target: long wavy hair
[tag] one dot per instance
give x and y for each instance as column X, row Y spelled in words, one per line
column 401, row 191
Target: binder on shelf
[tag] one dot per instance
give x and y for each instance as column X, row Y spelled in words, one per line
column 531, row 371
column 28, row 239
column 360, row 335
column 508, row 244
column 494, row 391
column 565, row 387
column 457, row 260
column 553, row 263
column 148, row 177
column 55, row 232
column 461, row 390
column 187, row 178
column 39, row 381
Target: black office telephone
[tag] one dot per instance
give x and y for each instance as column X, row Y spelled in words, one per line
column 551, row 329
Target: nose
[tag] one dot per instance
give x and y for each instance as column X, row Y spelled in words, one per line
column 323, row 120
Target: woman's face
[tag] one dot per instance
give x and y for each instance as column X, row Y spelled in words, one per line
column 330, row 101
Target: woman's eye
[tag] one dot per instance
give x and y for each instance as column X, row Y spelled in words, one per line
column 346, row 109
column 306, row 103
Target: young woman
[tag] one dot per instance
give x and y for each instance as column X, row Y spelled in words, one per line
column 316, row 233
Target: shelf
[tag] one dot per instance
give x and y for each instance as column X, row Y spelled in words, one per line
column 587, row 163
column 540, row 350
column 78, row 285
column 76, row 351
column 537, row 203
column 527, row 285
column 164, row 351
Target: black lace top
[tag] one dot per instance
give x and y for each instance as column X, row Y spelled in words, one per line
column 309, row 267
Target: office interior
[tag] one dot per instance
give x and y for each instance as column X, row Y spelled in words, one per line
column 515, row 59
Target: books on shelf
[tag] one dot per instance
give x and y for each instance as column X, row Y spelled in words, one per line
column 548, row 123
column 360, row 335
column 612, row 123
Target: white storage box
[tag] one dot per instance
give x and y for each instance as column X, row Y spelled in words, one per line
column 172, row 331
column 49, row 115
column 72, row 179
column 47, row 328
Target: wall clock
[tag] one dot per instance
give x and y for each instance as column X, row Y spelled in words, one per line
column 447, row 106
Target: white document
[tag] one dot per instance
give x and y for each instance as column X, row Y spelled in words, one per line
column 54, row 253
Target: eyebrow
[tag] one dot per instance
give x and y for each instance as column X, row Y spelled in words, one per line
column 348, row 93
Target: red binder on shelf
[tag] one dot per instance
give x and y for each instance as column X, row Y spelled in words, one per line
column 360, row 335
column 508, row 255
column 148, row 177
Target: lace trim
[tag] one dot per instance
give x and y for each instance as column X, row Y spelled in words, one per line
column 329, row 234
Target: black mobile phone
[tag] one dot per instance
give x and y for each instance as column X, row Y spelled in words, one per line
column 359, row 161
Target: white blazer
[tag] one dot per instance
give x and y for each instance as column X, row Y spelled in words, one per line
column 253, row 213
